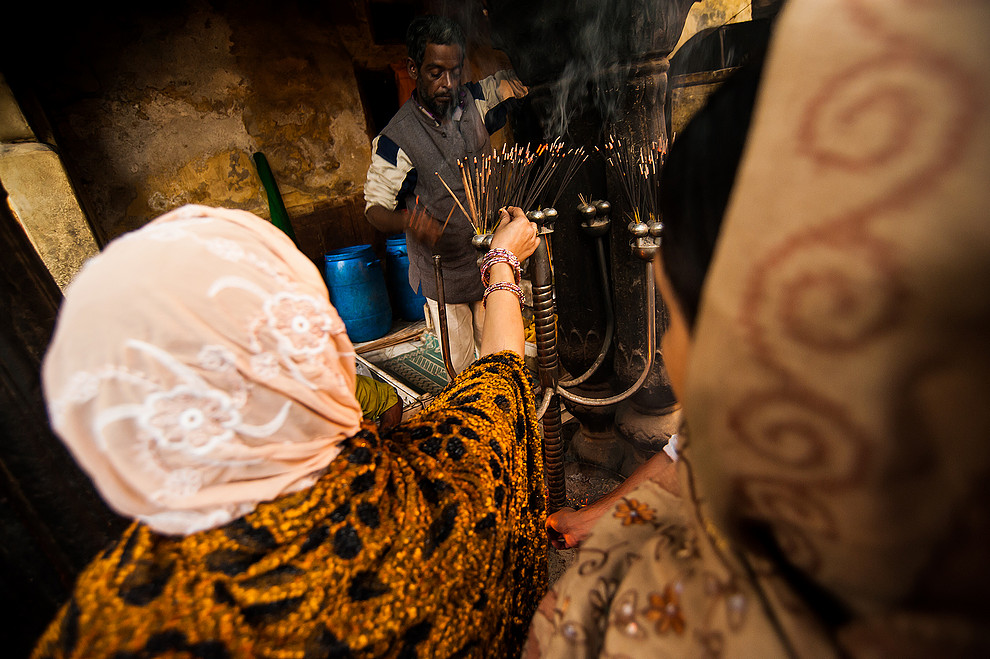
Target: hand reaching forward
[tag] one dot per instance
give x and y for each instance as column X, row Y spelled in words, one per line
column 516, row 233
column 568, row 528
column 503, row 320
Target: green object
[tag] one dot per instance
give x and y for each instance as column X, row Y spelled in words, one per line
column 276, row 207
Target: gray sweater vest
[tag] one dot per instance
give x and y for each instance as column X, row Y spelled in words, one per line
column 436, row 148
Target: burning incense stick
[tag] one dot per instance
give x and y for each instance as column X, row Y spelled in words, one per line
column 447, row 220
column 638, row 172
column 515, row 176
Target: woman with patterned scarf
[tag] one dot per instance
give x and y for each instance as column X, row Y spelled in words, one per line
column 200, row 376
column 831, row 350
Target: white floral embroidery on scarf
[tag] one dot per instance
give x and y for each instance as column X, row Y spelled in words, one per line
column 216, row 358
column 189, row 420
column 231, row 251
column 265, row 366
column 278, row 274
column 300, row 322
column 223, row 362
column 82, row 387
column 301, row 326
column 222, row 247
column 225, row 249
column 181, row 420
column 180, row 483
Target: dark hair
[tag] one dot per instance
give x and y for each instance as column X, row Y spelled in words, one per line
column 696, row 181
column 439, row 30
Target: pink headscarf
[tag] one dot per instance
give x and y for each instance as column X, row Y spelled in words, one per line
column 198, row 368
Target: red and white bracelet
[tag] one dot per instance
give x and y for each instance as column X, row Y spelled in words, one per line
column 503, row 286
column 499, row 255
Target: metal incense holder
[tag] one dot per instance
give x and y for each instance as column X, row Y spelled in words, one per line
column 595, row 221
column 646, row 239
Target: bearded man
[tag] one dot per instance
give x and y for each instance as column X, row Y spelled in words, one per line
column 443, row 122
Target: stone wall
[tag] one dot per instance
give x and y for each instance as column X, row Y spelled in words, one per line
column 152, row 109
column 713, row 13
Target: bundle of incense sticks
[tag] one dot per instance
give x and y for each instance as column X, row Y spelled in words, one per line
column 638, row 171
column 515, row 176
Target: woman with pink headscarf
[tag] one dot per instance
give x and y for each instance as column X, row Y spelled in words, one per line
column 200, row 376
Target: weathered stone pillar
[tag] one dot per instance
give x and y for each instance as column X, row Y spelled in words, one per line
column 646, row 420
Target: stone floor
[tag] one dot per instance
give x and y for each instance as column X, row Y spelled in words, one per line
column 558, row 560
column 584, row 484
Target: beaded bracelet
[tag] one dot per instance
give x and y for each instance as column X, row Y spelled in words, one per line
column 499, row 255
column 503, row 286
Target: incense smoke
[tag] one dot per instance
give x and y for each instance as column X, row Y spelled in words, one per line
column 582, row 50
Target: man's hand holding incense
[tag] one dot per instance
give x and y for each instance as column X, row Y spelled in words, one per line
column 423, row 226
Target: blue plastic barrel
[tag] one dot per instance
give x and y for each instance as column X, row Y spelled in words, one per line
column 407, row 303
column 357, row 289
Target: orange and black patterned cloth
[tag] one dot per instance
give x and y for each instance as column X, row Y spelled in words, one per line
column 426, row 541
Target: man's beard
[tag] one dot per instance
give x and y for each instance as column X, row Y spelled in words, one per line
column 440, row 108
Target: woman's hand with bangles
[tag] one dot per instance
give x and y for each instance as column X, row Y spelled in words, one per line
column 515, row 237
column 516, row 233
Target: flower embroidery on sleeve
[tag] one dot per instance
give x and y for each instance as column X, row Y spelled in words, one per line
column 631, row 511
column 572, row 630
column 624, row 615
column 664, row 610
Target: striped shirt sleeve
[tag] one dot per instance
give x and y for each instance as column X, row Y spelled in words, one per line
column 390, row 176
column 491, row 94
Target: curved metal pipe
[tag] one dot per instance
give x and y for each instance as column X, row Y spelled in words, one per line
column 442, row 313
column 609, row 322
column 651, row 349
column 545, row 403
